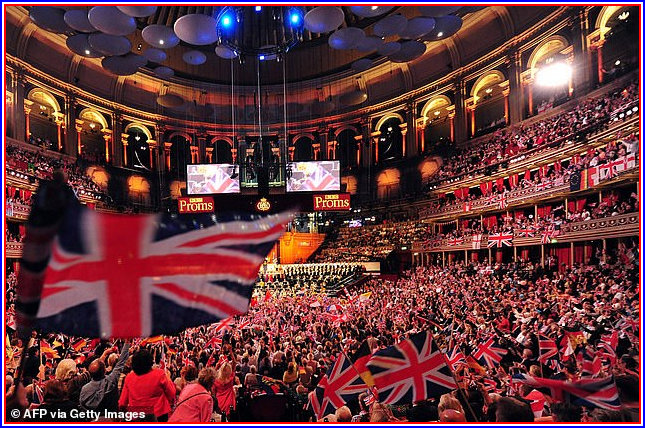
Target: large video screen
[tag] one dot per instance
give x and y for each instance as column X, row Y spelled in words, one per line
column 212, row 178
column 323, row 176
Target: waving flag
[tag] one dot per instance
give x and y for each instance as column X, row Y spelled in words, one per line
column 47, row 350
column 411, row 371
column 500, row 239
column 489, row 354
column 548, row 349
column 456, row 358
column 341, row 384
column 601, row 392
column 477, row 241
column 589, row 361
column 130, row 276
column 608, row 343
column 526, row 232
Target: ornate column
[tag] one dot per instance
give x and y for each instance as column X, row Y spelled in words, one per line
column 26, row 110
column 331, row 149
column 209, row 154
column 451, row 117
column 201, row 145
column 421, row 133
column 506, row 93
column 515, row 97
column 460, row 121
column 70, row 125
column 374, row 137
column 316, row 147
column 60, row 130
column 107, row 136
column 233, row 152
column 19, row 105
column 581, row 51
column 292, row 150
column 473, row 126
column 124, row 144
column 409, row 136
column 166, row 151
column 160, row 147
column 78, row 125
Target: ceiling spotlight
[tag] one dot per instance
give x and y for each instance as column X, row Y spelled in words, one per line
column 374, row 7
column 258, row 8
column 440, row 34
column 295, row 17
column 262, row 57
column 436, row 113
column 617, row 62
column 623, row 16
column 489, row 90
column 161, row 41
column 227, row 21
column 137, row 138
column 389, row 129
column 92, row 125
column 87, row 52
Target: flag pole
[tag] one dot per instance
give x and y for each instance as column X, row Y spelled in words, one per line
column 459, row 388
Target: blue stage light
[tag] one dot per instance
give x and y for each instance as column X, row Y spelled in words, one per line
column 258, row 8
column 295, row 17
column 227, row 21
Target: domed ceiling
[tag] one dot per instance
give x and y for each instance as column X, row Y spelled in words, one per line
column 199, row 42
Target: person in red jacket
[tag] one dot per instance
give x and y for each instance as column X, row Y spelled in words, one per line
column 146, row 389
column 223, row 387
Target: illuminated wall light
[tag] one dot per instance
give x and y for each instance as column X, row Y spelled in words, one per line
column 258, row 8
column 556, row 74
column 161, row 42
column 440, row 34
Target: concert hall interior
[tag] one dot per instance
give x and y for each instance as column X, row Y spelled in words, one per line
column 322, row 213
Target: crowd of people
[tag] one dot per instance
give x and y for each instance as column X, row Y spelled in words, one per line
column 587, row 116
column 314, row 277
column 288, row 340
column 39, row 165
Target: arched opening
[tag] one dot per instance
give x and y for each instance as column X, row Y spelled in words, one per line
column 221, row 152
column 138, row 149
column 180, row 155
column 93, row 143
column 541, row 98
column 347, row 148
column 488, row 103
column 304, row 150
column 438, row 131
column 620, row 49
column 390, row 143
column 44, row 111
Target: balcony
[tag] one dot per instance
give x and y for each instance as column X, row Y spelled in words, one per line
column 620, row 226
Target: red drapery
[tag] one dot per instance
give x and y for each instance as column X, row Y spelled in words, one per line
column 544, row 211
column 490, row 221
column 500, row 184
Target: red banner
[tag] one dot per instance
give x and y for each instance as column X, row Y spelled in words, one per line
column 332, row 202
column 202, row 204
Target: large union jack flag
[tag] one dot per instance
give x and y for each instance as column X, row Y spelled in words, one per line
column 341, row 384
column 500, row 239
column 600, row 392
column 410, row 371
column 114, row 275
column 489, row 354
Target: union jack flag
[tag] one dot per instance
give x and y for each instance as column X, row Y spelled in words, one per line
column 589, row 361
column 456, row 358
column 410, row 371
column 548, row 349
column 500, row 239
column 455, row 241
column 341, row 384
column 489, row 354
column 549, row 234
column 600, row 392
column 526, row 232
column 608, row 343
column 114, row 275
column 502, row 202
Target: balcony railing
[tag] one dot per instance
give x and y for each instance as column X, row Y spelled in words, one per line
column 623, row 225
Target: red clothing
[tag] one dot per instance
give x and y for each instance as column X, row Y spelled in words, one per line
column 194, row 404
column 225, row 395
column 504, row 325
column 152, row 392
